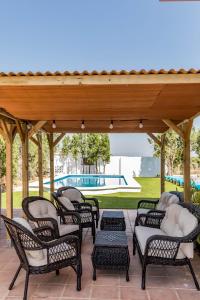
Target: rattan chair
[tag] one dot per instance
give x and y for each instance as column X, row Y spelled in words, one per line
column 39, row 257
column 43, row 215
column 84, row 211
column 156, row 247
column 78, row 198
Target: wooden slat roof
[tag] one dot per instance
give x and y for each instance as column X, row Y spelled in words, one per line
column 126, row 97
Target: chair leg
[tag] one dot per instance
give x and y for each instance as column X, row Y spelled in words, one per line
column 26, row 286
column 57, row 272
column 14, row 278
column 193, row 275
column 143, row 276
column 134, row 246
column 79, row 273
column 93, row 232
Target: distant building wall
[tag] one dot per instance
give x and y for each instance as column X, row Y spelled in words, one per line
column 124, row 165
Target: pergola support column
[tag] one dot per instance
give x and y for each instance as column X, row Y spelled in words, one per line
column 40, row 164
column 51, row 156
column 8, row 136
column 187, row 181
column 184, row 132
column 162, row 164
column 161, row 144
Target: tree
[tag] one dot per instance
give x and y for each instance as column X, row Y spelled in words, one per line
column 104, row 148
column 2, row 158
column 173, row 151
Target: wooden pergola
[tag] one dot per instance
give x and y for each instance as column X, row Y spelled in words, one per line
column 30, row 102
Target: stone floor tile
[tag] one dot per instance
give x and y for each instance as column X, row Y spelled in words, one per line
column 131, row 293
column 105, row 292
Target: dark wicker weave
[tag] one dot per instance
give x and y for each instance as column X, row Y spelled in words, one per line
column 84, row 210
column 61, row 253
column 169, row 245
column 47, row 228
column 111, row 252
column 113, row 220
column 94, row 201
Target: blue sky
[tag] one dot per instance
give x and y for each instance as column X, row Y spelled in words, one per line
column 108, row 34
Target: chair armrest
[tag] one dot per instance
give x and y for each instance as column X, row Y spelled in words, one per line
column 49, row 222
column 148, row 204
column 44, row 233
column 84, row 206
column 95, row 200
column 150, row 220
column 71, row 217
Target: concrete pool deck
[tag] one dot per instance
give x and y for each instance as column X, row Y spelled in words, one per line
column 132, row 186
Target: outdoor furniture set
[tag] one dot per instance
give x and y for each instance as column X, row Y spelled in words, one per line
column 164, row 235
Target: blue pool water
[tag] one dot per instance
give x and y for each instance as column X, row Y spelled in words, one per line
column 89, row 180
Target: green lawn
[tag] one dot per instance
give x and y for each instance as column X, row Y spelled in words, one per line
column 150, row 190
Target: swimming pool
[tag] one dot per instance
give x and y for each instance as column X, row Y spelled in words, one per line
column 90, row 181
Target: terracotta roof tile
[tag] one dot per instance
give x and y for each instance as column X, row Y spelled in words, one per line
column 103, row 72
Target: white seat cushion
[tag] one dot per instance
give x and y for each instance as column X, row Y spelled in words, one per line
column 67, row 203
column 67, row 228
column 143, row 233
column 72, row 195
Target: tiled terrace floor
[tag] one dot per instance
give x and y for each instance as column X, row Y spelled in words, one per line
column 168, row 283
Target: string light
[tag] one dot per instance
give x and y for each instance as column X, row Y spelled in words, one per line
column 111, row 125
column 54, row 124
column 141, row 124
column 82, row 125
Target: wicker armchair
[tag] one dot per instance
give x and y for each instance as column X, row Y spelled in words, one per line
column 77, row 197
column 39, row 257
column 84, row 210
column 170, row 242
column 43, row 216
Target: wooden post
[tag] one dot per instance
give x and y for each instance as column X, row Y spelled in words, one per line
column 25, row 180
column 187, row 181
column 7, row 133
column 51, row 155
column 162, row 164
column 40, row 163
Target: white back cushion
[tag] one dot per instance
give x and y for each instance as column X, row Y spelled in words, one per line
column 72, row 195
column 179, row 222
column 43, row 209
column 32, row 255
column 162, row 204
column 67, row 203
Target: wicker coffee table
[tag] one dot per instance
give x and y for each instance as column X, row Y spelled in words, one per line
column 111, row 252
column 113, row 220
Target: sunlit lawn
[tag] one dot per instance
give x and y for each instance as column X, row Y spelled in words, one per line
column 150, row 190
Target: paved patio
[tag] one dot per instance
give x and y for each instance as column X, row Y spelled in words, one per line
column 162, row 282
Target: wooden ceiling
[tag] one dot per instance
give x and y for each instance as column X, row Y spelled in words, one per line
column 97, row 99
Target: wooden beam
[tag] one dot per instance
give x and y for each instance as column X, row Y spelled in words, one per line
column 58, row 139
column 187, row 127
column 162, row 164
column 6, row 129
column 34, row 141
column 154, row 138
column 36, row 127
column 19, row 129
column 100, row 79
column 40, row 164
column 51, row 155
column 173, row 126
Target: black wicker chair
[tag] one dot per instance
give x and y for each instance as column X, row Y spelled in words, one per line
column 48, row 227
column 58, row 254
column 77, row 197
column 83, row 209
column 163, row 249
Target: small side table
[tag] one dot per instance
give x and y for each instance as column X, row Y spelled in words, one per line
column 113, row 221
column 111, row 252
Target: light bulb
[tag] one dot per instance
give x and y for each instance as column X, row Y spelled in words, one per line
column 54, row 124
column 83, row 125
column 141, row 125
column 111, row 125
